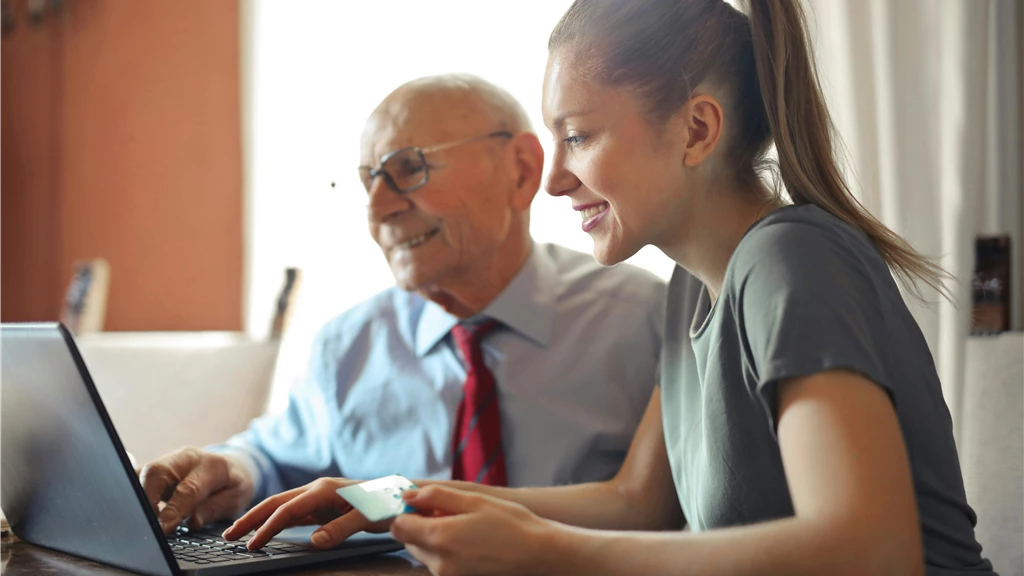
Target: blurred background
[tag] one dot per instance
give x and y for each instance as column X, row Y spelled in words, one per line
column 164, row 162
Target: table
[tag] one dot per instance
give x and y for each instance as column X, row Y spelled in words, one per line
column 19, row 558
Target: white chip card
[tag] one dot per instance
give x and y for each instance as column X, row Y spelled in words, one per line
column 378, row 499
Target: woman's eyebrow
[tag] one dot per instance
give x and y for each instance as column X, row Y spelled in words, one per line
column 561, row 118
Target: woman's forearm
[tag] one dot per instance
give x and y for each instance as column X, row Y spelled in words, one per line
column 640, row 497
column 786, row 547
column 597, row 505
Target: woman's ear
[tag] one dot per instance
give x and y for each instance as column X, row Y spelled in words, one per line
column 701, row 120
column 528, row 158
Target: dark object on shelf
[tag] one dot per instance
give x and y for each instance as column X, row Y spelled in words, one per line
column 34, row 13
column 85, row 303
column 285, row 305
column 990, row 310
column 6, row 16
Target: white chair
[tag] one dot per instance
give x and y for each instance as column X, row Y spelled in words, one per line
column 171, row 389
column 992, row 446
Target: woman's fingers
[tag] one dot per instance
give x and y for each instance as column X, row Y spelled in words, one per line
column 320, row 498
column 417, row 530
column 429, row 559
column 259, row 514
column 340, row 529
column 447, row 501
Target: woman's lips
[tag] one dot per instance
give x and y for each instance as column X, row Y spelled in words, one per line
column 592, row 214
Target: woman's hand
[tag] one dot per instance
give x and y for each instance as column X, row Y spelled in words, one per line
column 314, row 503
column 458, row 532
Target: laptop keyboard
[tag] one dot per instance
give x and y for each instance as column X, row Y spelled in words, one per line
column 207, row 547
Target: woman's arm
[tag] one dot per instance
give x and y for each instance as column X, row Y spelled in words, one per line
column 849, row 478
column 641, row 496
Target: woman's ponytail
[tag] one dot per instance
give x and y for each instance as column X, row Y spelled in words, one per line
column 803, row 133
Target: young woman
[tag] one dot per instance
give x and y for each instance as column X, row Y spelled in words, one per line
column 799, row 426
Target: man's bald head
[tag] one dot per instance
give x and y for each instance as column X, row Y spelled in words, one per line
column 478, row 96
column 447, row 106
column 462, row 232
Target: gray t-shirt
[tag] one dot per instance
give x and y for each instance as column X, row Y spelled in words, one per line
column 803, row 293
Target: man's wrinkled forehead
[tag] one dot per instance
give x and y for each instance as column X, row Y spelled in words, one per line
column 420, row 119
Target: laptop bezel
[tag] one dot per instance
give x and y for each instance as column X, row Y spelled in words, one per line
column 108, row 425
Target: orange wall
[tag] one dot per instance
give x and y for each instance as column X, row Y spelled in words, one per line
column 121, row 139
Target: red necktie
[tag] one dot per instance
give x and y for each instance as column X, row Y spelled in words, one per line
column 476, row 444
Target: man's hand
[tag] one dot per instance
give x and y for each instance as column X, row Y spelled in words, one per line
column 204, row 486
column 314, row 503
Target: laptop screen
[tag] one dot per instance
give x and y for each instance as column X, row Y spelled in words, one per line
column 67, row 483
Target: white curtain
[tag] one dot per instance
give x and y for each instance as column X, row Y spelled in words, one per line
column 926, row 95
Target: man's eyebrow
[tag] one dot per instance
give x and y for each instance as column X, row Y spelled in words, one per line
column 561, row 118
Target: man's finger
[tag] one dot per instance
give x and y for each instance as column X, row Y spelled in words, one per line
column 155, row 479
column 218, row 505
column 443, row 499
column 192, row 490
column 159, row 478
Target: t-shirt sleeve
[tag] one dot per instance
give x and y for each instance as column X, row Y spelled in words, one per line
column 808, row 302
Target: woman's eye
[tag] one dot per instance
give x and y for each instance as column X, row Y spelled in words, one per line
column 573, row 140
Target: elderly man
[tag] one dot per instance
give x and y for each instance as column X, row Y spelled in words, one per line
column 495, row 359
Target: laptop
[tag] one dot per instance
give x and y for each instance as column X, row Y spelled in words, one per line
column 67, row 483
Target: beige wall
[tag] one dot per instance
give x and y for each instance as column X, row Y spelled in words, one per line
column 121, row 139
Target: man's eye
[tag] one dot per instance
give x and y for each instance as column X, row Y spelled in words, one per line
column 409, row 168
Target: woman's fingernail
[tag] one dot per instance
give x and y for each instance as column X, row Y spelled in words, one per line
column 319, row 538
column 409, row 494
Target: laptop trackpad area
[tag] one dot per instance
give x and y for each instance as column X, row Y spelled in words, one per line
column 299, row 535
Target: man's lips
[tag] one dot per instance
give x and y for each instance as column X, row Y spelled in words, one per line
column 415, row 240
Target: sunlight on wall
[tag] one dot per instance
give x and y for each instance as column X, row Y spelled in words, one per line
column 313, row 71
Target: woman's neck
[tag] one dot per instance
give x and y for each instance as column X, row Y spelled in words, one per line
column 716, row 226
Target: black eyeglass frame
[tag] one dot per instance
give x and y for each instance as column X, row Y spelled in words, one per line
column 421, row 152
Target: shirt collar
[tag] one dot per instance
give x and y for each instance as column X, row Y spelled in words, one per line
column 526, row 305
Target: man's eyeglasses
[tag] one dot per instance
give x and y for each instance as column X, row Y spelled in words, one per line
column 406, row 169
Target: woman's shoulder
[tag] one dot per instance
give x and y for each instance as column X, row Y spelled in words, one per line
column 805, row 249
column 804, row 237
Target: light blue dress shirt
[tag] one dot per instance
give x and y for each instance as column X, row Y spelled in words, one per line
column 575, row 363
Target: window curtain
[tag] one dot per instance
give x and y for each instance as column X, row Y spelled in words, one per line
column 927, row 98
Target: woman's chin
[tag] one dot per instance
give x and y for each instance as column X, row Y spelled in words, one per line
column 606, row 256
column 612, row 251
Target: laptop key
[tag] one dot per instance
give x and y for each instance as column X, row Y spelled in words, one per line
column 291, row 548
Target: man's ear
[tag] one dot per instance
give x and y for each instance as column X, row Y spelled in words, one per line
column 528, row 158
column 701, row 121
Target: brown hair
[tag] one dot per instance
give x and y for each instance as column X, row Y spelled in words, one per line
column 663, row 49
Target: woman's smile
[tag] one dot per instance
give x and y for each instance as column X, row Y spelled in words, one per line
column 592, row 214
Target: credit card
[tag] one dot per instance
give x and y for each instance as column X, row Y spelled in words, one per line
column 378, row 499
